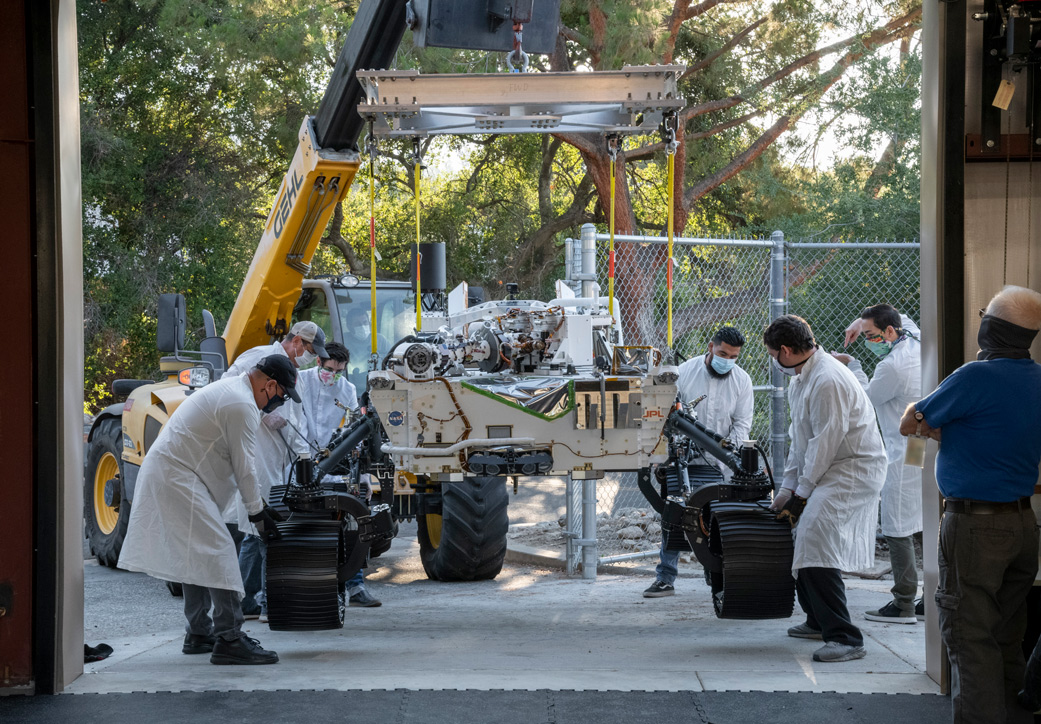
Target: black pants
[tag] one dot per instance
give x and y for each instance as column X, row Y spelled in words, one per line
column 987, row 566
column 822, row 595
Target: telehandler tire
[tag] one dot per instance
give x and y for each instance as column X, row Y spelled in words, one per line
column 106, row 525
column 467, row 541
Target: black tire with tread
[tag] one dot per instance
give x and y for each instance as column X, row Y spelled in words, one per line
column 474, row 523
column 108, row 438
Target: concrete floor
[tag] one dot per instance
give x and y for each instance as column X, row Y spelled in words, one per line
column 530, row 629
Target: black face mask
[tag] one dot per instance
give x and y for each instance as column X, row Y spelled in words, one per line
column 273, row 403
column 999, row 339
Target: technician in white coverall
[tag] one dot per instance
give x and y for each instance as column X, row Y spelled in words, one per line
column 278, row 446
column 835, row 469
column 895, row 384
column 327, row 398
column 202, row 459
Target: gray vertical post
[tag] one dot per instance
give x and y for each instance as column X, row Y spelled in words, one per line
column 778, row 308
column 574, row 527
column 589, row 551
column 588, row 266
column 569, row 260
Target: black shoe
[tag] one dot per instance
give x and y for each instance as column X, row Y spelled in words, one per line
column 198, row 643
column 919, row 609
column 659, row 589
column 242, row 650
column 362, row 599
column 891, row 613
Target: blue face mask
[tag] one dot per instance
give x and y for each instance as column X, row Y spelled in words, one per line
column 879, row 349
column 722, row 365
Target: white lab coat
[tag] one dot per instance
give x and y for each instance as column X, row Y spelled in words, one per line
column 202, row 459
column 897, row 383
column 322, row 416
column 277, row 450
column 729, row 407
column 837, row 460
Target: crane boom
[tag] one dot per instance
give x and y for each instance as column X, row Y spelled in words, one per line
column 323, row 167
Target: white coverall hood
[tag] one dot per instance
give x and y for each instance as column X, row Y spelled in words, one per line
column 837, row 460
column 201, row 461
column 896, row 383
column 320, row 412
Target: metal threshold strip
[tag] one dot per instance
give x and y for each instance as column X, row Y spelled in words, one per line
column 630, row 100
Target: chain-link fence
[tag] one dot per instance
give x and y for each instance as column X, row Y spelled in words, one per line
column 743, row 283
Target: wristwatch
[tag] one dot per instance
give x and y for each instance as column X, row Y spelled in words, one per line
column 920, row 417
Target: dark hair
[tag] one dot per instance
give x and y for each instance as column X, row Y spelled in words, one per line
column 337, row 352
column 791, row 331
column 882, row 316
column 729, row 335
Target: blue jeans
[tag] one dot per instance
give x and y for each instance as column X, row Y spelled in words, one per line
column 668, row 563
column 252, row 564
column 357, row 582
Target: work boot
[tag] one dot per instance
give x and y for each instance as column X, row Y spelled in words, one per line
column 241, row 650
column 833, row 652
column 659, row 589
column 891, row 613
column 362, row 599
column 803, row 631
column 198, row 643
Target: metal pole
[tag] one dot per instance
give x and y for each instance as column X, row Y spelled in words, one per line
column 589, row 552
column 778, row 308
column 588, row 267
column 569, row 246
column 573, row 528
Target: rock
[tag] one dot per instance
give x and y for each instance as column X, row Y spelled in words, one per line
column 653, row 529
column 562, row 521
column 632, row 532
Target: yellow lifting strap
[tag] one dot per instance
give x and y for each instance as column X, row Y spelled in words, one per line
column 419, row 296
column 372, row 249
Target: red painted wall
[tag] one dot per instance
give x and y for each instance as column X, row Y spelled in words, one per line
column 16, row 399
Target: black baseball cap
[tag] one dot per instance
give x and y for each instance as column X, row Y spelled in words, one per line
column 281, row 370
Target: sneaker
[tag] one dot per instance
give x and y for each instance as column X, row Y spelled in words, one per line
column 833, row 651
column 262, row 618
column 891, row 613
column 251, row 613
column 362, row 599
column 803, row 631
column 659, row 589
column 241, row 650
column 919, row 609
column 198, row 643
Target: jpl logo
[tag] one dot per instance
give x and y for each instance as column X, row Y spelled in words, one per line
column 395, row 418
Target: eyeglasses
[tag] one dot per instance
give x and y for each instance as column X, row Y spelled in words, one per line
column 983, row 313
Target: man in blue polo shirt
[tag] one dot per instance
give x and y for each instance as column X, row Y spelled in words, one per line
column 989, row 415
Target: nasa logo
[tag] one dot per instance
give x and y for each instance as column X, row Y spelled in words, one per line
column 396, row 418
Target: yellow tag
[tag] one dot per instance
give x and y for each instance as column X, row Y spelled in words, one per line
column 1003, row 97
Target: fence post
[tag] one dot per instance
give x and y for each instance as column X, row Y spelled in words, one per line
column 778, row 307
column 588, row 265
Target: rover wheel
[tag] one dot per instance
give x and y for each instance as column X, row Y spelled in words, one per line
column 467, row 541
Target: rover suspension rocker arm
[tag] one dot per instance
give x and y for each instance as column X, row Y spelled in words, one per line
column 746, row 551
column 307, row 494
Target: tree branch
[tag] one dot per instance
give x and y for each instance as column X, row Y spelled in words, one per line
column 726, row 47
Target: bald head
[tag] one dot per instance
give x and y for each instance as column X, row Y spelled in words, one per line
column 1018, row 305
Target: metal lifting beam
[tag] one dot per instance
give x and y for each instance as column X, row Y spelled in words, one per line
column 631, row 100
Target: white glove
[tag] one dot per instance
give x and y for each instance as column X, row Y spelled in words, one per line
column 781, row 497
column 365, row 488
column 274, row 421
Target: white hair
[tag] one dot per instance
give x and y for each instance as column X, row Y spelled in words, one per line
column 1018, row 305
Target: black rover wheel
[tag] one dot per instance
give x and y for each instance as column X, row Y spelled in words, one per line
column 467, row 541
column 106, row 524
